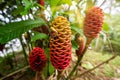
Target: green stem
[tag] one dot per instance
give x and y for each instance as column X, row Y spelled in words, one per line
column 28, row 42
column 48, row 73
column 78, row 62
column 25, row 55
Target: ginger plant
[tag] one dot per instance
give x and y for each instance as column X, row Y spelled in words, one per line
column 60, row 40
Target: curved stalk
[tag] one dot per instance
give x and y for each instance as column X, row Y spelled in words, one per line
column 78, row 62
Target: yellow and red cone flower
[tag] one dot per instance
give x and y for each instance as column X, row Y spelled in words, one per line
column 37, row 59
column 80, row 42
column 93, row 22
column 60, row 43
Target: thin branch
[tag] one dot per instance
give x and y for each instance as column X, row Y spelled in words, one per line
column 113, row 57
column 95, row 2
column 22, row 69
column 78, row 62
column 24, row 52
column 102, row 3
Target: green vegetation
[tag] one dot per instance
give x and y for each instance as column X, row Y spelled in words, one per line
column 109, row 69
column 29, row 22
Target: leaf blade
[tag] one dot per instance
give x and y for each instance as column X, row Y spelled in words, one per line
column 39, row 36
column 16, row 29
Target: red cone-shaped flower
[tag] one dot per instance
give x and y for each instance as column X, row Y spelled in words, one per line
column 37, row 59
column 93, row 22
column 80, row 42
column 60, row 43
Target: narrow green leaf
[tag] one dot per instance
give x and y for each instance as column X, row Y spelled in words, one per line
column 28, row 5
column 74, row 45
column 49, row 69
column 45, row 71
column 39, row 36
column 16, row 29
column 76, row 29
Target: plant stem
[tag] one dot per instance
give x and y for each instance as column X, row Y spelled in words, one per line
column 78, row 62
column 102, row 3
column 81, row 56
column 25, row 55
column 28, row 41
column 48, row 73
column 36, row 76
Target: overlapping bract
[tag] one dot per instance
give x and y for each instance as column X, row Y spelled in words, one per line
column 37, row 59
column 60, row 43
column 93, row 22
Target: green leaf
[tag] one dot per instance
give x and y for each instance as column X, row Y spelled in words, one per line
column 74, row 45
column 66, row 2
column 54, row 3
column 105, row 26
column 76, row 29
column 39, row 36
column 49, row 69
column 17, row 11
column 16, row 29
column 28, row 5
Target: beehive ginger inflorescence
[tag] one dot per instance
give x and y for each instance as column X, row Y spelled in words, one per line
column 93, row 22
column 37, row 59
column 60, row 43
